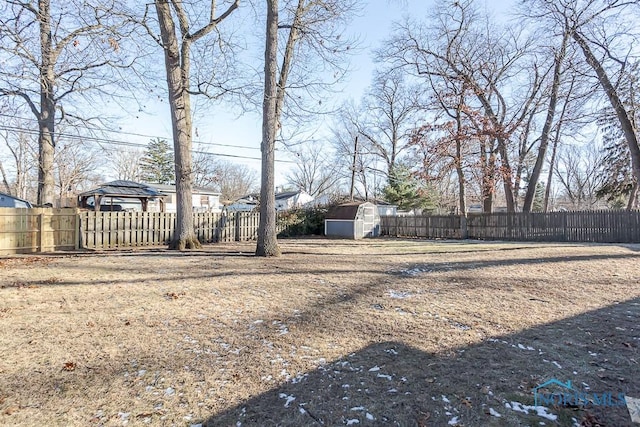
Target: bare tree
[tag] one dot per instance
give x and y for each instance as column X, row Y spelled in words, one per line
column 389, row 116
column 55, row 56
column 314, row 172
column 126, row 164
column 577, row 173
column 23, row 162
column 462, row 45
column 312, row 34
column 601, row 30
column 75, row 166
column 177, row 43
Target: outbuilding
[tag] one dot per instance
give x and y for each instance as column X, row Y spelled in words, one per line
column 354, row 220
column 9, row 201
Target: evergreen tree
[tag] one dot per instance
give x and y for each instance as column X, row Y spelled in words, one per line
column 156, row 166
column 406, row 191
column 616, row 171
column 538, row 197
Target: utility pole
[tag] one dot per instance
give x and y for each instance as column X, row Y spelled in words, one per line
column 353, row 167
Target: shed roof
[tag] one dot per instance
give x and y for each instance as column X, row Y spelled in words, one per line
column 344, row 211
column 122, row 188
column 15, row 198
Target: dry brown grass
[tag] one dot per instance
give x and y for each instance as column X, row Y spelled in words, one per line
column 380, row 331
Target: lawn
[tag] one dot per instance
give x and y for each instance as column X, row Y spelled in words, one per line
column 377, row 332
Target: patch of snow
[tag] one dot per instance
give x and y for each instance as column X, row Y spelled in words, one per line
column 358, row 408
column 345, row 386
column 302, row 410
column 540, row 410
column 298, row 378
column 257, row 322
column 170, row 391
column 494, row 413
column 392, row 351
column 521, row 347
column 454, row 421
column 399, row 294
column 393, row 390
column 415, row 271
column 593, row 354
column 290, row 399
column 403, row 379
column 353, row 421
column 374, row 369
column 557, row 364
column 445, row 400
column 370, row 417
column 385, row 376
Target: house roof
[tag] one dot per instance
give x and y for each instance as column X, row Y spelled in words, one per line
column 122, row 188
column 344, row 211
column 286, row 194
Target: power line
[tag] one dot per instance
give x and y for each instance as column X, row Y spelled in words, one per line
column 101, row 141
column 120, row 132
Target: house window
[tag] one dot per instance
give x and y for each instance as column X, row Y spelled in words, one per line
column 204, row 200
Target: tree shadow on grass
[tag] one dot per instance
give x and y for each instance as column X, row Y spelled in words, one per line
column 391, row 383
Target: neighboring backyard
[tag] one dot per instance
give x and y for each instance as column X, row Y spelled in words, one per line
column 388, row 331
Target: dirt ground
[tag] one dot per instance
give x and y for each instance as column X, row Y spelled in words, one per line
column 377, row 332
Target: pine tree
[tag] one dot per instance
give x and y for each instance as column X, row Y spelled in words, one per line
column 538, row 197
column 406, row 191
column 156, row 166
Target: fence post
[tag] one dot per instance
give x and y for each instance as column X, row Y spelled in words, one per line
column 41, row 231
column 464, row 229
column 77, row 229
column 238, row 239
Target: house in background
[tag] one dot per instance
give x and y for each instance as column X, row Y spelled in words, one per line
column 8, row 201
column 291, row 199
column 247, row 203
column 204, row 199
column 284, row 201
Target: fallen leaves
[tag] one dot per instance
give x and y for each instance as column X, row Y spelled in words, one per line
column 69, row 366
column 11, row 410
column 173, row 295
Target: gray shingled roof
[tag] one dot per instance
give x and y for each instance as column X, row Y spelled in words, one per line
column 122, row 188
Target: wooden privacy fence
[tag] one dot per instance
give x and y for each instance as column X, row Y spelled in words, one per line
column 49, row 230
column 585, row 226
column 37, row 230
column 113, row 230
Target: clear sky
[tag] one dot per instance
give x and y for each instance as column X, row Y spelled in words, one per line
column 219, row 126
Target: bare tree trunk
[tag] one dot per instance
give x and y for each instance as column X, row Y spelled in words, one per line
column 623, row 116
column 46, row 115
column 4, row 179
column 552, row 164
column 180, row 103
column 267, row 239
column 353, row 168
column 488, row 177
column 546, row 129
column 633, row 196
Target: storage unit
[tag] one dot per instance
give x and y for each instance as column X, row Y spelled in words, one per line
column 354, row 220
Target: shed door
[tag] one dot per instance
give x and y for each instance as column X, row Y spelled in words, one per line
column 369, row 222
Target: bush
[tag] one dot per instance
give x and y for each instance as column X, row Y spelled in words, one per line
column 302, row 222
